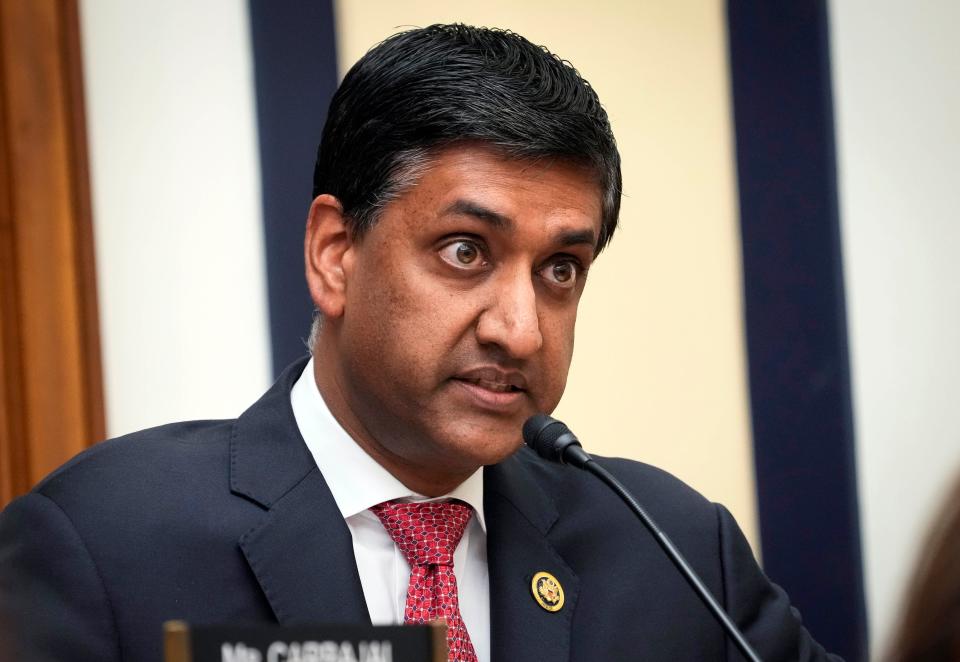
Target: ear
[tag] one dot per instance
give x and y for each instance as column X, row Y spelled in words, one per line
column 326, row 246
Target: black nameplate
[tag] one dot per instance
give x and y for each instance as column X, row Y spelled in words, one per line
column 305, row 643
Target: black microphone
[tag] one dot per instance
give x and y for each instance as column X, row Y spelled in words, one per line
column 553, row 440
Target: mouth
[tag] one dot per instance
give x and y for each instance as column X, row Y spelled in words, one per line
column 493, row 389
column 496, row 387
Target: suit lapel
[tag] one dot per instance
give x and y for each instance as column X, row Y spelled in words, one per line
column 519, row 516
column 302, row 555
column 301, row 552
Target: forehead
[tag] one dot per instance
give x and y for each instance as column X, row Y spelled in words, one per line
column 547, row 191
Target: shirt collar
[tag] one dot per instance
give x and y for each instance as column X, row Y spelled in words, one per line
column 355, row 479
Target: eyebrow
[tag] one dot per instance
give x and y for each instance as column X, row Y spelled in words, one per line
column 478, row 211
column 499, row 221
column 577, row 237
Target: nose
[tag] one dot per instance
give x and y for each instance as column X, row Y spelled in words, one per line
column 510, row 321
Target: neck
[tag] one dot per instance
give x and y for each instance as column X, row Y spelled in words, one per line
column 431, row 479
column 429, row 484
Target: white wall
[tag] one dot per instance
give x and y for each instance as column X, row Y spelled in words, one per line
column 177, row 210
column 897, row 89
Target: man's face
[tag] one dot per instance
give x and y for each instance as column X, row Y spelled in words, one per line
column 459, row 309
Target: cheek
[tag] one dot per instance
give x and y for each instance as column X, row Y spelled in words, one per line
column 557, row 327
column 558, row 336
column 403, row 325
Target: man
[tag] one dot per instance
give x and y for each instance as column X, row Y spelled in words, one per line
column 465, row 182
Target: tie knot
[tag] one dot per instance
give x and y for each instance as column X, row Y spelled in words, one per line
column 426, row 533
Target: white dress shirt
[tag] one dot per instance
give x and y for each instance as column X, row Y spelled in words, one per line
column 358, row 482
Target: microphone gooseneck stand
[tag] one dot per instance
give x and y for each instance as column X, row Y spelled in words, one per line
column 553, row 440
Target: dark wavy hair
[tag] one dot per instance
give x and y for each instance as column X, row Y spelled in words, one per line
column 425, row 89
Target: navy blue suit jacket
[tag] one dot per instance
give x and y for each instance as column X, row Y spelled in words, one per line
column 231, row 521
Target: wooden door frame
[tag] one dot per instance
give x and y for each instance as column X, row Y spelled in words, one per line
column 51, row 391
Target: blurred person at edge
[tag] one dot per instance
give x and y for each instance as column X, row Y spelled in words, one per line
column 930, row 628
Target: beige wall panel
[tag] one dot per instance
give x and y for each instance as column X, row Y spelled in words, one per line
column 659, row 373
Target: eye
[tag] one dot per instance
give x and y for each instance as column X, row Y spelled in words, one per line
column 463, row 254
column 562, row 273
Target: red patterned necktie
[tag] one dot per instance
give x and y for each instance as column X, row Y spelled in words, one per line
column 427, row 533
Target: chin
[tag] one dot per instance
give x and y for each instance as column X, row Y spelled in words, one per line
column 488, row 447
column 462, row 439
column 499, row 454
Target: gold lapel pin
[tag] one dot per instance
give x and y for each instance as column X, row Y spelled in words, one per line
column 547, row 591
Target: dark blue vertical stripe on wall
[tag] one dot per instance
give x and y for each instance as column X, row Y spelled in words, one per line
column 295, row 69
column 795, row 314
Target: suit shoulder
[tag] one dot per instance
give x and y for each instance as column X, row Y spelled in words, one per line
column 646, row 479
column 122, row 464
column 581, row 497
column 588, row 510
column 643, row 480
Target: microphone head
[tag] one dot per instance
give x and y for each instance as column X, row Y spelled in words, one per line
column 548, row 437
